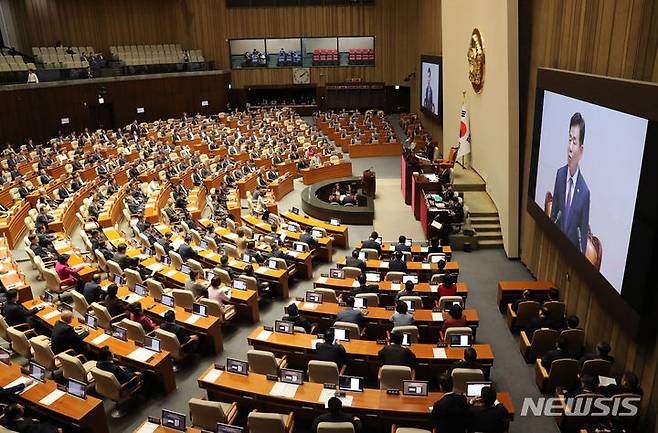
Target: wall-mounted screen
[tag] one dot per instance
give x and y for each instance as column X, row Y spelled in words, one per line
column 592, row 185
column 431, row 98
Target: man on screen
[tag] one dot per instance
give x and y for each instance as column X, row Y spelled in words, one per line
column 571, row 195
column 428, row 101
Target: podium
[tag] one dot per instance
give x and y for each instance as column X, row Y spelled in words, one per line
column 369, row 183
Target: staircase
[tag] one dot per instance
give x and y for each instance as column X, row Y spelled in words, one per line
column 487, row 226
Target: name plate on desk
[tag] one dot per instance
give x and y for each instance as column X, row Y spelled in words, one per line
column 393, row 391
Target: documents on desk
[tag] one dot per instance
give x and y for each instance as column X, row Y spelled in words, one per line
column 322, row 280
column 51, row 315
column 52, row 397
column 171, row 272
column 213, row 375
column 263, row 335
column 98, row 340
column 132, row 298
column 141, row 354
column 148, row 427
column 437, row 317
column 192, row 319
column 155, row 267
column 281, row 389
column 439, row 353
column 21, row 380
column 326, row 394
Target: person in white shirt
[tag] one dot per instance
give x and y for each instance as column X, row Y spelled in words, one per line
column 32, row 77
column 218, row 292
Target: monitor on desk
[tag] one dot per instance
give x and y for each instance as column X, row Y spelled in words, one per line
column 411, row 305
column 76, row 388
column 272, row 264
column 167, row 300
column 413, row 278
column 299, row 247
column 294, row 377
column 209, row 275
column 141, row 290
column 227, row 428
column 373, row 277
column 91, row 321
column 474, row 389
column 48, row 297
column 408, row 242
column 338, row 274
column 282, row 236
column 284, row 326
column 147, row 252
column 292, row 228
column 362, row 256
column 314, row 297
column 166, row 260
column 174, row 420
column 295, row 211
column 246, row 258
column 334, row 221
column 5, row 356
column 350, row 383
column 203, row 244
column 414, row 387
column 406, row 339
column 460, row 340
column 317, row 234
column 185, row 269
column 120, row 333
column 447, row 305
column 237, row 366
column 341, row 334
column 436, row 258
column 360, row 302
column 151, row 343
column 240, row 285
column 37, row 372
column 200, row 309
column 118, row 280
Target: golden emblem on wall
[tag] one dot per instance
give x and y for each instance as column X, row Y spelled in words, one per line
column 476, row 61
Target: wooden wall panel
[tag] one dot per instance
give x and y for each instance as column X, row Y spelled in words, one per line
column 614, row 38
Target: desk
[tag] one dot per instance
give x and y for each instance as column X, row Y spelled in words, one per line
column 362, row 354
column 86, row 415
column 510, row 290
column 424, row 270
column 13, row 226
column 247, row 183
column 162, row 429
column 375, row 149
column 282, row 186
column 112, row 209
column 378, row 319
column 10, row 275
column 339, row 233
column 373, row 406
column 154, row 203
column 419, row 183
column 416, row 250
column 313, row 175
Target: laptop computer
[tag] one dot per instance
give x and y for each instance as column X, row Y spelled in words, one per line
column 350, row 383
column 414, row 387
column 174, row 420
column 474, row 389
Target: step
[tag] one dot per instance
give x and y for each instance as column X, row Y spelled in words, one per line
column 497, row 235
column 488, row 214
column 485, row 220
column 485, row 227
column 469, row 187
column 489, row 244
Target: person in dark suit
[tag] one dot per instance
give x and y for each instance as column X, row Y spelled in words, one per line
column 278, row 254
column 602, row 352
column 15, row 421
column 372, row 243
column 586, row 385
column 485, row 415
column 23, row 189
column 64, row 336
column 449, row 413
column 92, row 290
column 106, row 363
column 336, row 414
column 395, row 354
column 428, row 99
column 401, row 244
column 114, row 305
column 355, row 262
column 38, row 249
column 330, row 350
column 408, row 290
column 181, row 333
column 185, row 250
column 571, row 197
column 297, row 320
column 364, row 287
column 397, row 263
column 15, row 313
column 558, row 353
column 541, row 321
column 629, row 384
column 63, row 192
column 350, row 314
column 308, row 238
column 120, row 257
column 470, row 361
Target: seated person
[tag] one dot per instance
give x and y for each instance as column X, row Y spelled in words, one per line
column 114, row 305
column 401, row 317
column 486, row 415
column 92, row 290
column 65, row 337
column 68, row 275
column 372, row 243
column 629, row 384
column 364, row 287
column 587, row 385
column 330, row 350
column 223, row 264
column 448, row 286
column 198, row 289
column 602, row 352
column 401, row 244
column 106, row 363
column 137, row 315
column 336, row 414
column 449, row 413
column 308, row 238
column 262, row 286
column 456, row 319
column 350, row 314
column 15, row 421
column 526, row 296
column 470, row 361
column 355, row 262
column 278, row 254
column 218, row 292
column 559, row 353
column 120, row 256
column 297, row 320
column 397, row 263
column 408, row 290
column 396, row 354
column 181, row 333
column 15, row 313
column 539, row 322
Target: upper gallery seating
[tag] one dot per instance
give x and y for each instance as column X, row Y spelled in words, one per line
column 136, row 55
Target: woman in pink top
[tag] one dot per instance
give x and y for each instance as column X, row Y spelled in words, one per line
column 217, row 292
column 68, row 275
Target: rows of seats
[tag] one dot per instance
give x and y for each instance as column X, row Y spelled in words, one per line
column 59, row 58
column 361, row 56
column 133, row 55
column 325, row 58
column 13, row 63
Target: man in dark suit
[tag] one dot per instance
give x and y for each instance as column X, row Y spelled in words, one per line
column 470, row 361
column 15, row 313
column 401, row 246
column 15, row 420
column 449, row 413
column 395, row 354
column 541, row 321
column 336, row 414
column 602, row 352
column 92, row 290
column 372, row 243
column 106, row 363
column 397, row 263
column 428, row 100
column 23, row 189
column 308, row 238
column 364, row 287
column 181, row 333
column 560, row 352
column 64, row 336
column 297, row 320
column 355, row 262
column 350, row 314
column 185, row 250
column 570, row 209
column 486, row 415
column 38, row 249
column 330, row 351
column 120, row 257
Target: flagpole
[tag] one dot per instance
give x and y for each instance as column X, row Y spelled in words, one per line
column 463, row 102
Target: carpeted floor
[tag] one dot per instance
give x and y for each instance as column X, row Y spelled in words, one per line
column 481, row 270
